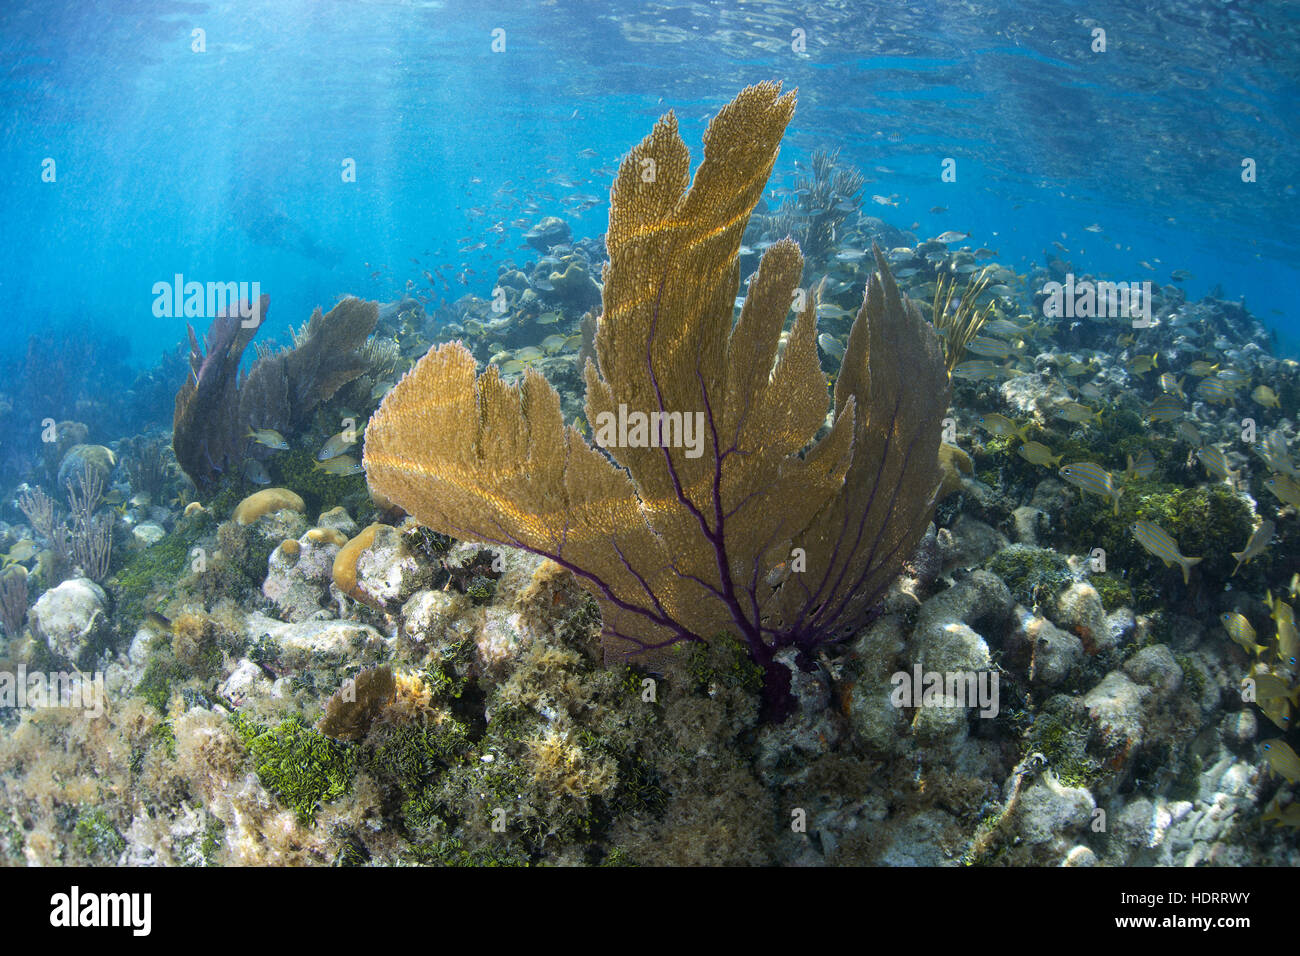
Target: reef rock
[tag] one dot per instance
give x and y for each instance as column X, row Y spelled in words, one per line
column 267, row 501
column 945, row 638
column 337, row 519
column 298, row 578
column 307, row 643
column 1116, row 707
column 432, row 618
column 69, row 615
column 1051, row 812
column 550, row 231
column 875, row 720
column 1079, row 610
column 1031, row 394
column 376, row 568
column 574, row 287
column 146, row 534
column 1156, row 668
column 971, row 543
column 1045, row 651
column 246, row 682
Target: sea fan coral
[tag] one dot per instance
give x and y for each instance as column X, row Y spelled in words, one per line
column 760, row 528
column 216, row 407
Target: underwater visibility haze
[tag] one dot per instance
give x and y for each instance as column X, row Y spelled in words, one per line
column 578, row 433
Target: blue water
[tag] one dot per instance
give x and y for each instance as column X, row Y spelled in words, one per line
column 227, row 164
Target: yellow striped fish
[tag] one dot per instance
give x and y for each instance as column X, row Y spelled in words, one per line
column 1216, row 463
column 1288, row 644
column 1280, row 816
column 1278, row 609
column 1156, row 540
column 1092, row 478
column 1214, row 391
column 1141, row 465
column 1172, row 385
column 990, row 347
column 1259, row 540
column 1282, row 759
column 1165, row 408
column 1285, row 487
column 1242, row 634
column 1277, row 710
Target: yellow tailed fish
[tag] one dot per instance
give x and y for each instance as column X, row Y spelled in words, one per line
column 1265, row 396
column 1259, row 540
column 1159, row 542
column 1288, row 643
column 339, row 444
column 1282, row 759
column 1279, row 816
column 1277, row 710
column 1079, row 414
column 342, row 465
column 1216, row 463
column 1000, row 425
column 1141, row 364
column 1272, row 687
column 268, row 437
column 1165, row 408
column 1036, row 453
column 1092, row 478
column 1285, row 487
column 1140, row 466
column 1242, row 634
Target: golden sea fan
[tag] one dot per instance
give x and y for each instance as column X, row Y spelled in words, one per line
column 763, row 530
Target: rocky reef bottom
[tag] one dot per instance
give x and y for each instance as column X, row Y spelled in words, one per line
column 393, row 697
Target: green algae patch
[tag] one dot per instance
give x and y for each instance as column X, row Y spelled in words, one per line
column 300, row 765
column 1064, row 744
column 453, row 852
column 412, row 758
column 162, row 675
column 149, row 577
column 722, row 661
column 96, row 836
column 1114, row 591
column 1033, row 575
column 1207, row 521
